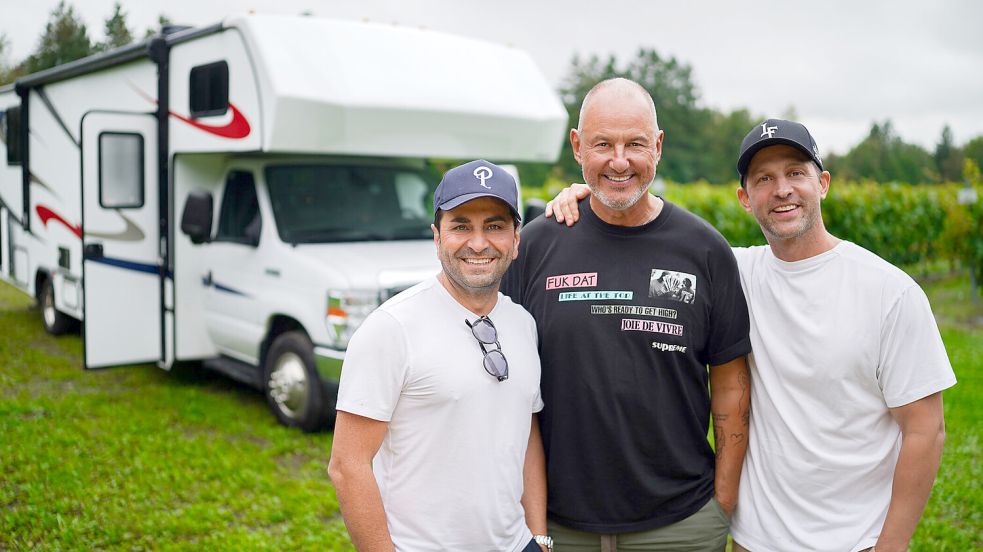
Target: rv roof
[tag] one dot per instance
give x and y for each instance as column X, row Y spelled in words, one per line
column 345, row 87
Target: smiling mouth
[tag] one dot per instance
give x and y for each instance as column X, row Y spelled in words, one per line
column 477, row 262
column 619, row 179
column 785, row 208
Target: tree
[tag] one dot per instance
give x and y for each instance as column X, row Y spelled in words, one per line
column 884, row 157
column 117, row 33
column 8, row 73
column 65, row 39
column 162, row 21
column 948, row 157
column 973, row 150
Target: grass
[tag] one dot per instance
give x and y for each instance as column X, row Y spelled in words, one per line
column 137, row 458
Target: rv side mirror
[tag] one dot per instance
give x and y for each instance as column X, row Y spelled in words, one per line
column 534, row 208
column 196, row 221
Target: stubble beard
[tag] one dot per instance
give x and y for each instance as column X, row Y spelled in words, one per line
column 613, row 203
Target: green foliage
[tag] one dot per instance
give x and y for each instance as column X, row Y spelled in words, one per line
column 117, row 33
column 884, row 157
column 904, row 224
column 948, row 157
column 65, row 39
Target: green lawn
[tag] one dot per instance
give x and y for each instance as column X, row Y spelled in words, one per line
column 138, row 458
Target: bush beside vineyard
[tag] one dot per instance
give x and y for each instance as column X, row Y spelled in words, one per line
column 902, row 223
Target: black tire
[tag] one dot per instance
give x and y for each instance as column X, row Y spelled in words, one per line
column 293, row 389
column 54, row 322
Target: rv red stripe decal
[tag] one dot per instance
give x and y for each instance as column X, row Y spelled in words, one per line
column 46, row 214
column 236, row 129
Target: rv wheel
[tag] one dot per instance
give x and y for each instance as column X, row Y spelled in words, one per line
column 293, row 388
column 55, row 323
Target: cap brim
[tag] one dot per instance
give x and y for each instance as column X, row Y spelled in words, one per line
column 462, row 199
column 745, row 158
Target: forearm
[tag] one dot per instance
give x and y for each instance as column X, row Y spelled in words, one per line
column 361, row 507
column 730, row 403
column 534, row 483
column 918, row 464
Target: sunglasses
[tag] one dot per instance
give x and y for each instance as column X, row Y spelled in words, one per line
column 494, row 360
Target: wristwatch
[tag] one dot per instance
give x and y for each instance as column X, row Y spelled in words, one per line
column 544, row 540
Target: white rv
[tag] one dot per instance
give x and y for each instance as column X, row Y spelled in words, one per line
column 245, row 194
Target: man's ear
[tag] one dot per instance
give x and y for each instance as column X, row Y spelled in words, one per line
column 575, row 144
column 743, row 198
column 823, row 184
column 436, row 235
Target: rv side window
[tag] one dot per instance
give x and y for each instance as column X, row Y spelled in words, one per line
column 239, row 219
column 10, row 121
column 120, row 170
column 209, row 89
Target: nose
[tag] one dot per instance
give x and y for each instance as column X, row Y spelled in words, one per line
column 783, row 188
column 478, row 241
column 619, row 163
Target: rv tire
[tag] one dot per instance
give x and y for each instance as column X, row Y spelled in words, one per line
column 55, row 322
column 292, row 387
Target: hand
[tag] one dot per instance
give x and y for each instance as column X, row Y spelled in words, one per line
column 543, row 548
column 564, row 206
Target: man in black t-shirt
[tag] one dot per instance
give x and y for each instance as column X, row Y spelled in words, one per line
column 632, row 305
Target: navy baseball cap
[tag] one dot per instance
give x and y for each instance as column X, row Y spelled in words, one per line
column 772, row 133
column 473, row 180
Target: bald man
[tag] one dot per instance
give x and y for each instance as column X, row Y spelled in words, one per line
column 632, row 306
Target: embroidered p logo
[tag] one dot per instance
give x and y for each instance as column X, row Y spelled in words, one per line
column 483, row 173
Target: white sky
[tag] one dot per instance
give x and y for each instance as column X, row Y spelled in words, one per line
column 842, row 64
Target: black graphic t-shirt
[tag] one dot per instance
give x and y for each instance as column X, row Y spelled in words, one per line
column 629, row 318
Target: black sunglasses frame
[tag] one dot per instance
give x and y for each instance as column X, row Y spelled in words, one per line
column 489, row 355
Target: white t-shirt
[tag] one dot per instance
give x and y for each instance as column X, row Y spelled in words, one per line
column 838, row 339
column 450, row 465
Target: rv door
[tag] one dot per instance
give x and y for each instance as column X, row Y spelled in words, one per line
column 121, row 267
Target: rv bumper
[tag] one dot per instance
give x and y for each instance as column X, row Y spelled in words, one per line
column 328, row 363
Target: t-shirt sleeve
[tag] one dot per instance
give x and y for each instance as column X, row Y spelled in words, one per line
column 374, row 369
column 913, row 362
column 729, row 324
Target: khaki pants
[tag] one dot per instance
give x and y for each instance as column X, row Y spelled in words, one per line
column 704, row 531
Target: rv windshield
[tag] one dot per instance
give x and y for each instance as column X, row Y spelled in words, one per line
column 336, row 203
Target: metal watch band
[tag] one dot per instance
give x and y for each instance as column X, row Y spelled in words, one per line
column 544, row 540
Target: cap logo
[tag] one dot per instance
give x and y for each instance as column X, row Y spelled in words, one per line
column 766, row 130
column 483, row 173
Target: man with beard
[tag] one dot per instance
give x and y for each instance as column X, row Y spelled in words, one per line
column 625, row 373
column 436, row 444
column 847, row 372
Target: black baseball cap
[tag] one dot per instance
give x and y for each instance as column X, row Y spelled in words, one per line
column 476, row 179
column 772, row 133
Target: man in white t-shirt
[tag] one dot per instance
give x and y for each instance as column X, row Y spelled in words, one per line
column 847, row 369
column 436, row 444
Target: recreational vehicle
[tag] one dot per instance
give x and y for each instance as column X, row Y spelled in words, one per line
column 244, row 194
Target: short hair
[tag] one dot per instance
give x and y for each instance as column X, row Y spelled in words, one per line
column 625, row 87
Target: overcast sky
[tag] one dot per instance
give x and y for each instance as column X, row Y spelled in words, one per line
column 841, row 64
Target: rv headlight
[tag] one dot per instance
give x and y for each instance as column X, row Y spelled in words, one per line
column 346, row 310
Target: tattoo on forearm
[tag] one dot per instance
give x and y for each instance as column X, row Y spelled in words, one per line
column 719, row 437
column 743, row 378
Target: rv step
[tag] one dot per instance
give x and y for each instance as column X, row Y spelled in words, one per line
column 237, row 370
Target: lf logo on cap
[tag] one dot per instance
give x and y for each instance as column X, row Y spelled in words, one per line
column 767, row 130
column 483, row 173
